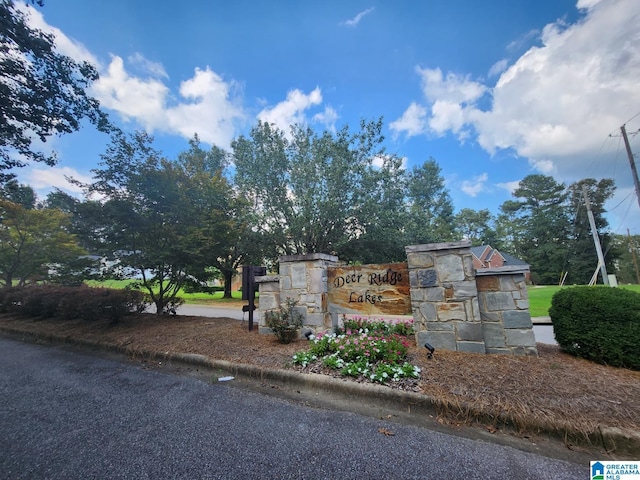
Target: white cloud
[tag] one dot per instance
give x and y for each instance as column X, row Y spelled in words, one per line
column 154, row 68
column 291, row 111
column 44, row 180
column 356, row 20
column 498, row 67
column 446, row 116
column 327, row 118
column 557, row 103
column 413, row 121
column 449, row 97
column 523, row 40
column 206, row 106
column 546, row 167
column 210, row 109
column 509, row 186
column 452, row 88
column 475, row 186
column 63, row 44
column 588, row 4
column 132, row 97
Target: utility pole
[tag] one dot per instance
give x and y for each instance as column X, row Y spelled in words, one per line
column 594, row 233
column 634, row 171
column 632, row 249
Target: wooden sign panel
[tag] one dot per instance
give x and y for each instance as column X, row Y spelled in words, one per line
column 381, row 289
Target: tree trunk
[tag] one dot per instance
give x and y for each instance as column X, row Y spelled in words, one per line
column 160, row 304
column 228, row 276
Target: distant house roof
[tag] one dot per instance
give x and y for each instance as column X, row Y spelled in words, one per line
column 485, row 256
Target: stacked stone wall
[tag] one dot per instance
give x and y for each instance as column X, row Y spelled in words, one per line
column 504, row 309
column 454, row 306
column 302, row 278
column 444, row 297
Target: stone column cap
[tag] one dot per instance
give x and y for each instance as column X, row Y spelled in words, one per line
column 308, row 257
column 428, row 247
column 505, row 270
column 267, row 278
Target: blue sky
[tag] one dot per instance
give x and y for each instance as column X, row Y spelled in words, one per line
column 493, row 91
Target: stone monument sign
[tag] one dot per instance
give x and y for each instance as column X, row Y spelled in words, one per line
column 380, row 289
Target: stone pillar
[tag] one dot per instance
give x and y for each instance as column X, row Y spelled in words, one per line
column 444, row 297
column 504, row 309
column 304, row 279
column 269, row 299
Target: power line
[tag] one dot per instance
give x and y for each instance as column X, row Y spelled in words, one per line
column 621, row 202
column 637, row 114
column 626, row 213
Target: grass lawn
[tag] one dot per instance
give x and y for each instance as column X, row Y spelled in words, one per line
column 540, row 297
column 192, row 298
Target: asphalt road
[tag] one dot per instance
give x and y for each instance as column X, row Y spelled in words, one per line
column 65, row 414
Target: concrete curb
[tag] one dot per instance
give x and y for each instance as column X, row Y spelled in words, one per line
column 614, row 440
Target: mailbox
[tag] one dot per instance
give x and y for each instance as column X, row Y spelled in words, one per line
column 249, row 273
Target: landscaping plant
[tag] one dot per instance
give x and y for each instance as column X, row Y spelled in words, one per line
column 372, row 350
column 601, row 324
column 286, row 322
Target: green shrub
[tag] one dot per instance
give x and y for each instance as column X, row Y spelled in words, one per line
column 9, row 299
column 601, row 324
column 47, row 301
column 286, row 322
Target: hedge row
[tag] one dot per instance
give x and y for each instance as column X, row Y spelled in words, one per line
column 46, row 301
column 601, row 324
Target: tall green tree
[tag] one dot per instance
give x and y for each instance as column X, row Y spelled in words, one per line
column 313, row 193
column 582, row 260
column 476, row 225
column 35, row 245
column 431, row 215
column 537, row 224
column 627, row 264
column 42, row 92
column 158, row 220
column 383, row 235
column 18, row 193
column 236, row 242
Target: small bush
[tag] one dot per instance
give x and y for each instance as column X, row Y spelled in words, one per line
column 286, row 322
column 601, row 324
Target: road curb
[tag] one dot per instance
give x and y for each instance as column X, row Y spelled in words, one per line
column 612, row 439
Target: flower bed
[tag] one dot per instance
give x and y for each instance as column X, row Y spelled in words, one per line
column 375, row 351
